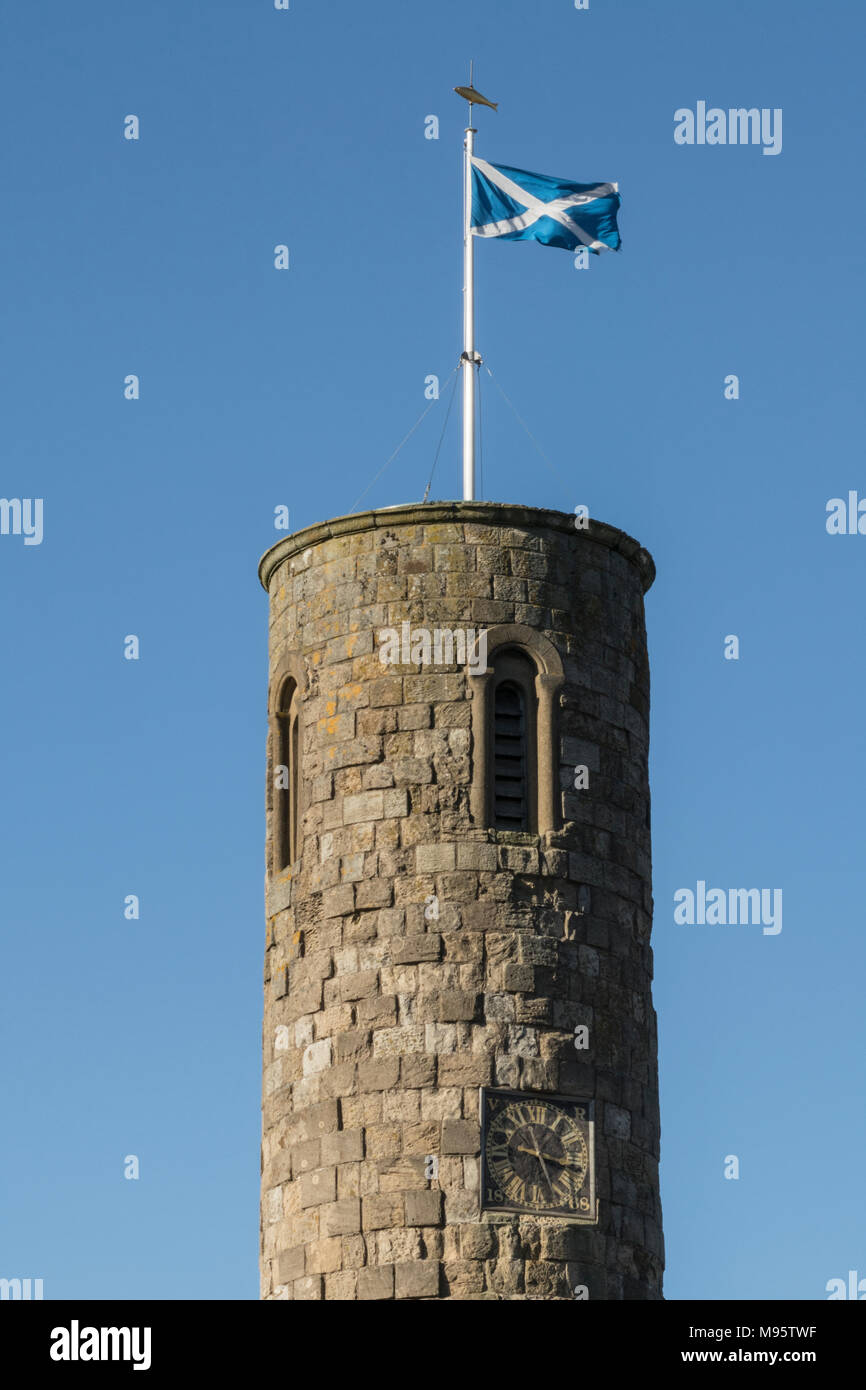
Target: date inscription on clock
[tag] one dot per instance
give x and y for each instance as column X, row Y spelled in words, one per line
column 537, row 1154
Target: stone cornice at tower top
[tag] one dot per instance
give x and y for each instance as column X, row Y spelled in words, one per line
column 471, row 513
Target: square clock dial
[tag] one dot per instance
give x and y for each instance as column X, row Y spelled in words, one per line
column 537, row 1155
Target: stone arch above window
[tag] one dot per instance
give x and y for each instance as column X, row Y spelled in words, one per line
column 514, row 730
column 285, row 783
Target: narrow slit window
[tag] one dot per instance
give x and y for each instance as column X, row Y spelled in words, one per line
column 287, row 780
column 510, row 790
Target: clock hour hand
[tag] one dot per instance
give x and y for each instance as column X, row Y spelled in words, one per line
column 565, row 1162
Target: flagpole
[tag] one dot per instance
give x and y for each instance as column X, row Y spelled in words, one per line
column 469, row 358
column 467, row 362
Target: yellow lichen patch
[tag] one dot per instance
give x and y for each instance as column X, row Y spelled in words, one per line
column 367, row 667
column 331, row 707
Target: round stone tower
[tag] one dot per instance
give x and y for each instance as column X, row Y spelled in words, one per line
column 460, row 1078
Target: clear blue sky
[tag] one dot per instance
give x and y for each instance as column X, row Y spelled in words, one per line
column 261, row 388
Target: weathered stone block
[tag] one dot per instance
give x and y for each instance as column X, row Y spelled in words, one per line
column 354, row 1045
column 338, row 902
column 365, row 806
column 378, row 1011
column 395, row 803
column 461, row 1069
column 460, row 1137
column 414, row 717
column 376, row 1283
column 342, row 1286
column 464, row 1278
column 418, row 1071
column 454, row 1006
column 435, row 858
column 393, row 1042
column 373, row 893
column 388, row 690
column 317, row 1056
column 318, row 1187
column 346, row 1146
column 341, row 1218
column 317, row 1120
column 290, row 1264
column 362, row 985
column 379, row 1212
column 324, row 1256
column 309, row 1289
column 478, row 1242
column 424, row 946
column 424, row 1208
column 306, row 1156
column 417, row 1279
column 422, row 1138
column 383, row 1141
column 379, row 1075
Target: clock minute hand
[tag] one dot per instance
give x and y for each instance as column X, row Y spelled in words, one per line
column 536, row 1153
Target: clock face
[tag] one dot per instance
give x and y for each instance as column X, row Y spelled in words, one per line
column 537, row 1154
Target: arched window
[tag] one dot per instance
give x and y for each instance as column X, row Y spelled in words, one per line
column 286, row 800
column 515, row 738
column 513, row 795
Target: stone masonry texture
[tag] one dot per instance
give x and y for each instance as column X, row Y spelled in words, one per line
column 381, row 1024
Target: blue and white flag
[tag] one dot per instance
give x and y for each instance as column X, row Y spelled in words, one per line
column 519, row 206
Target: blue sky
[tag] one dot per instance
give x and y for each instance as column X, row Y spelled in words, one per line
column 261, row 388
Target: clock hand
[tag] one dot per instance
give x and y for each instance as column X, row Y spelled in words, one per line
column 565, row 1162
column 540, row 1157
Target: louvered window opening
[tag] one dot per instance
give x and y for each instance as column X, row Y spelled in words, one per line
column 510, row 800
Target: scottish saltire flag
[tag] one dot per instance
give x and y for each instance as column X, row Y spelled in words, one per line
column 519, row 206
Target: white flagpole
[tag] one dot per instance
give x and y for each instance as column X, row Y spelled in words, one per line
column 468, row 358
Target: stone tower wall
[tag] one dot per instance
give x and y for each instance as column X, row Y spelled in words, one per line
column 381, row 1023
